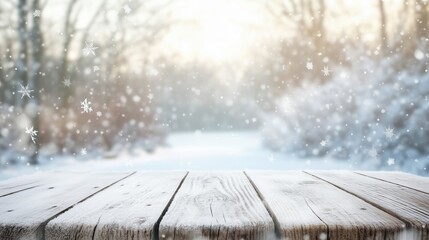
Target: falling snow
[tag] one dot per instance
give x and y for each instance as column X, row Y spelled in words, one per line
column 32, row 133
column 389, row 133
column 25, row 91
column 373, row 153
column 37, row 13
column 86, row 106
column 89, row 49
column 83, row 152
column 67, row 82
column 326, row 71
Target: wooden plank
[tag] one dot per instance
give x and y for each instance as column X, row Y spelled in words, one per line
column 305, row 207
column 404, row 179
column 22, row 183
column 216, row 206
column 24, row 214
column 127, row 210
column 409, row 205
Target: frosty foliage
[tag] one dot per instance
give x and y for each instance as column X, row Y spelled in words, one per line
column 14, row 147
column 369, row 111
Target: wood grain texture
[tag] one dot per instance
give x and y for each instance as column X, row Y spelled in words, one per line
column 127, row 210
column 409, row 205
column 404, row 179
column 24, row 214
column 218, row 205
column 305, row 207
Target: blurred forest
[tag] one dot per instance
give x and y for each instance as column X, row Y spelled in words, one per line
column 344, row 79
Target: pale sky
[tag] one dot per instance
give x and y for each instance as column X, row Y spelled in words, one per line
column 219, row 31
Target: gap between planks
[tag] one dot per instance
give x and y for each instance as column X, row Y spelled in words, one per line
column 94, row 232
column 398, row 182
column 406, row 222
column 313, row 212
column 217, row 205
column 17, row 191
column 42, row 227
column 414, row 224
column 156, row 226
column 26, row 212
column 269, row 210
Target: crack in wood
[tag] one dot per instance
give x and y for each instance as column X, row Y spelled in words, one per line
column 77, row 232
column 223, row 215
column 327, row 227
column 211, row 210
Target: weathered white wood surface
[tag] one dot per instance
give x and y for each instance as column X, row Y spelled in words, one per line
column 219, row 205
column 304, row 206
column 409, row 205
column 216, row 205
column 127, row 210
column 24, row 214
column 404, row 179
column 23, row 183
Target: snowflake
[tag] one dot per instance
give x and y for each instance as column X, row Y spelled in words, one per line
column 37, row 13
column 96, row 69
column 99, row 114
column 326, row 71
column 309, row 65
column 89, row 49
column 83, row 152
column 67, row 82
column 323, row 143
column 327, row 106
column 373, row 153
column 390, row 161
column 86, row 106
column 32, row 133
column 389, row 133
column 126, row 9
column 25, row 91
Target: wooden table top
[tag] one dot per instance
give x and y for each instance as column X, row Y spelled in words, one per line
column 215, row 205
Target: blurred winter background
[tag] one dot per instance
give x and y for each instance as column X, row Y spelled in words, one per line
column 213, row 84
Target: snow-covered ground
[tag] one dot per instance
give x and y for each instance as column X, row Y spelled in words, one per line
column 191, row 151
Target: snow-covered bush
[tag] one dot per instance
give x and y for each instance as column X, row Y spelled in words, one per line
column 14, row 147
column 368, row 113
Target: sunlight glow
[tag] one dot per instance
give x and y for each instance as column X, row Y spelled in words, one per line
column 221, row 40
column 216, row 31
